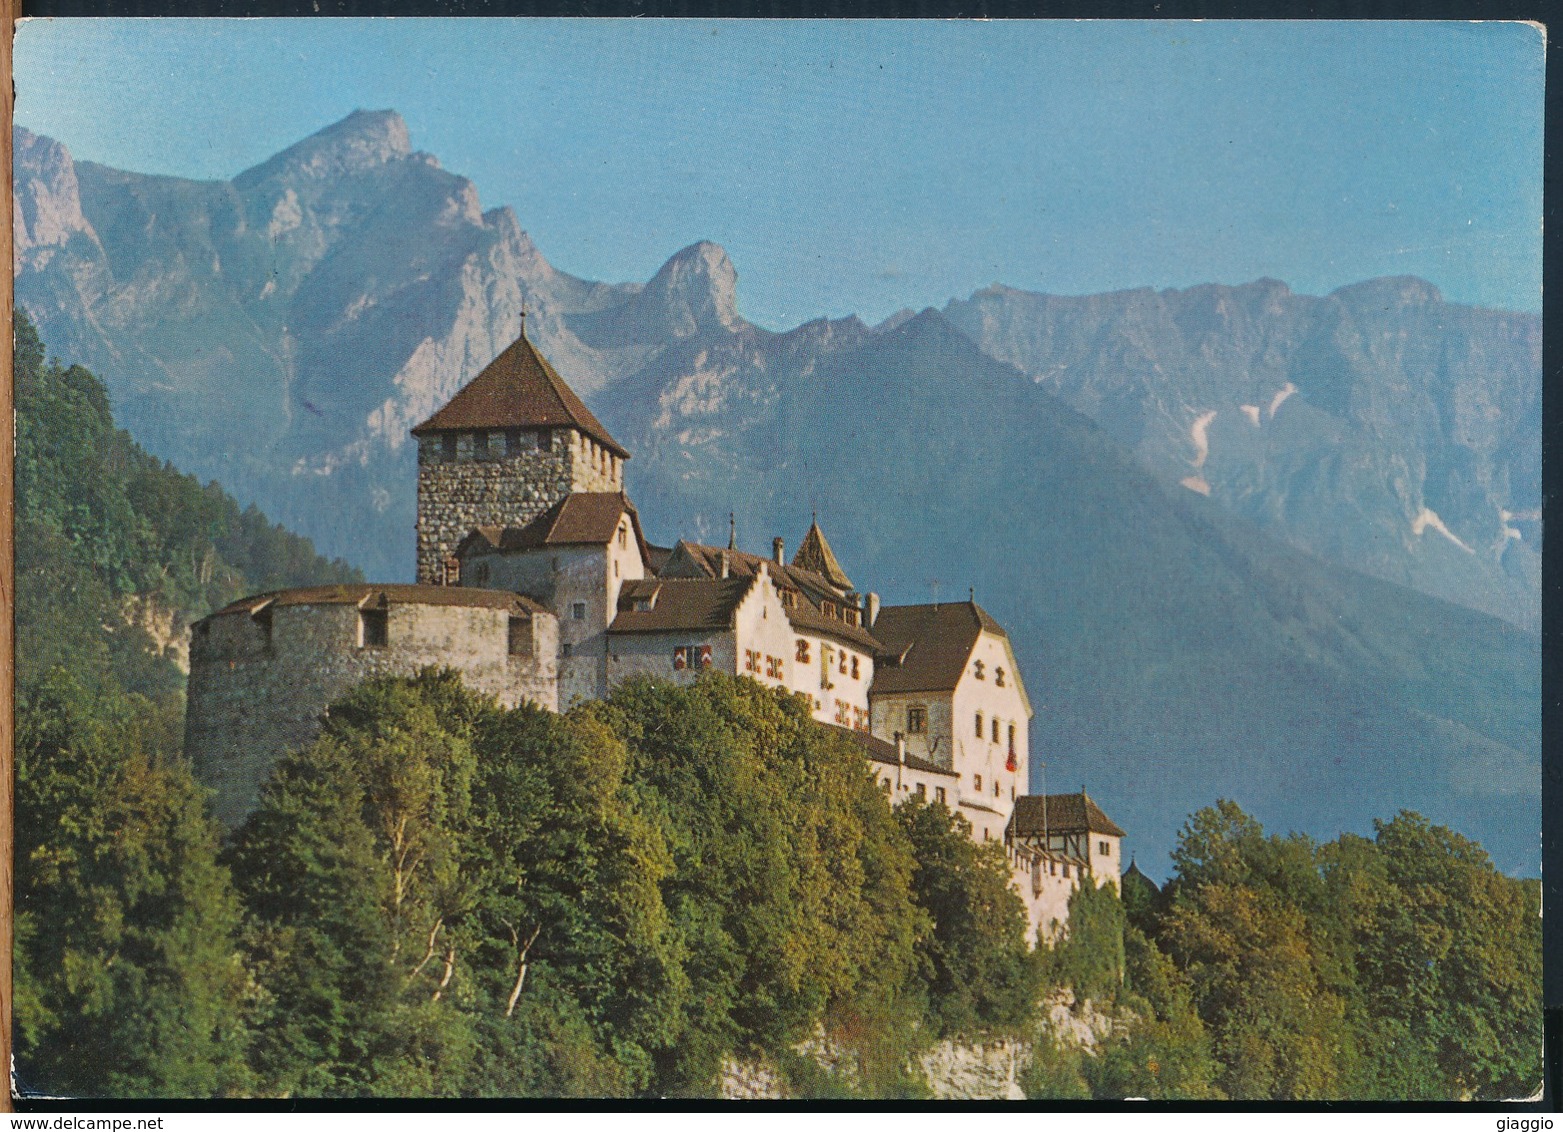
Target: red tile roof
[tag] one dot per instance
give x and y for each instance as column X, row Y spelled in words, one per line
column 933, row 643
column 374, row 596
column 693, row 560
column 692, row 604
column 582, row 518
column 815, row 554
column 1064, row 813
column 519, row 389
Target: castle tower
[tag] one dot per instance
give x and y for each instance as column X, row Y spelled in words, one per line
column 512, row 443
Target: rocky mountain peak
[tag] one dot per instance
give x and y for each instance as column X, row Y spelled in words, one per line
column 696, row 290
column 364, row 140
column 46, row 208
column 1390, row 293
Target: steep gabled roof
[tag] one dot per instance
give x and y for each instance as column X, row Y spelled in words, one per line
column 815, row 554
column 1060, row 813
column 933, row 643
column 694, row 560
column 582, row 518
column 519, row 389
column 685, row 604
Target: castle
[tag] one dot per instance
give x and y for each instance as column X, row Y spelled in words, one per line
column 536, row 583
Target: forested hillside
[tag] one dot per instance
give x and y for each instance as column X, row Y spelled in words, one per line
column 125, row 962
column 114, row 546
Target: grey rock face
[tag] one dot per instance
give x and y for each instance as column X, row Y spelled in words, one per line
column 1379, row 427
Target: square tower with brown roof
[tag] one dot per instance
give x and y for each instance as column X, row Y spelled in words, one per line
column 515, row 441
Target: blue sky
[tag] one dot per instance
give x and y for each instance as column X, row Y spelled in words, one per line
column 864, row 166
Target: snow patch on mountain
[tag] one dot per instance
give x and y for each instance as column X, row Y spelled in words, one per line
column 1426, row 518
column 1280, row 398
column 1199, row 435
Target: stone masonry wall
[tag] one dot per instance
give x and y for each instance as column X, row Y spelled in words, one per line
column 252, row 700
column 455, row 496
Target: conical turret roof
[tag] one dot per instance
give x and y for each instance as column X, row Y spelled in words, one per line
column 519, row 389
column 815, row 554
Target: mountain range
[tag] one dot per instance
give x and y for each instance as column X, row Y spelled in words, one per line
column 1249, row 543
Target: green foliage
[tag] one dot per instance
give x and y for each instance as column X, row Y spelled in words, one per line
column 128, row 983
column 1406, row 967
column 790, row 880
column 104, row 530
column 975, row 969
column 1056, row 1071
column 1164, row 1054
column 1447, row 952
column 1089, row 956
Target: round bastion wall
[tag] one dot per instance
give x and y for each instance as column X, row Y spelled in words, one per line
column 263, row 674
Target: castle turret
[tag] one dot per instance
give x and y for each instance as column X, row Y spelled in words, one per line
column 511, row 444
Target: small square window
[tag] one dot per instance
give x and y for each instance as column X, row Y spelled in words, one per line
column 1103, row 849
column 922, row 790
column 916, row 720
column 520, row 637
column 938, row 794
column 885, row 786
column 998, row 677
column 995, row 731
column 565, row 650
column 979, row 725
column 448, row 447
column 976, row 782
column 578, row 611
column 978, row 670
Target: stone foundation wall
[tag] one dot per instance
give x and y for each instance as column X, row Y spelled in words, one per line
column 255, row 695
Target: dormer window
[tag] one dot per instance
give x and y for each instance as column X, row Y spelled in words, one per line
column 828, row 608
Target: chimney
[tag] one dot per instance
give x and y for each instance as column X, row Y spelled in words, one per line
column 727, row 563
column 870, row 610
column 777, row 553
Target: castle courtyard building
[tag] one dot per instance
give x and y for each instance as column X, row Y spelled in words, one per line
column 537, row 584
